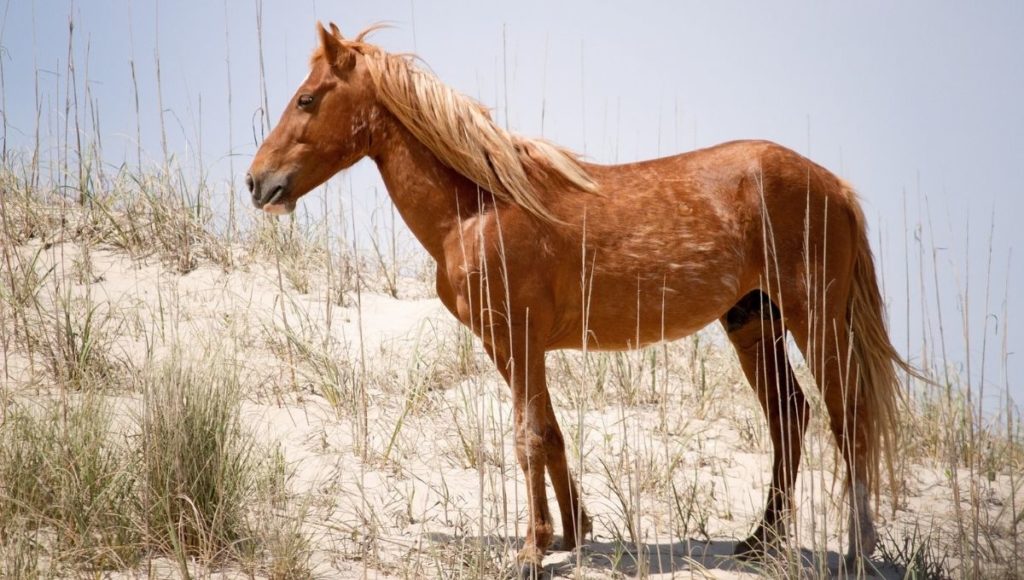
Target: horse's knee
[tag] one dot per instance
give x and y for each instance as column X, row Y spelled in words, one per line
column 554, row 443
column 537, row 445
column 531, row 447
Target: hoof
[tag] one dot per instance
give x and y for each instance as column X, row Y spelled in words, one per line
column 861, row 564
column 752, row 549
column 861, row 554
column 571, row 541
column 567, row 545
column 532, row 571
column 749, row 551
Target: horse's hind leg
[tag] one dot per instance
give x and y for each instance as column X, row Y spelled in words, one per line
column 755, row 328
column 828, row 355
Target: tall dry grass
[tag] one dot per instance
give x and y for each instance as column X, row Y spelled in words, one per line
column 119, row 451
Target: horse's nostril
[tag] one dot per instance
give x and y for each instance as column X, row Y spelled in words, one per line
column 249, row 182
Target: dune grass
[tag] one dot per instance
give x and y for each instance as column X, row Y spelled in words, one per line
column 133, row 435
column 120, row 449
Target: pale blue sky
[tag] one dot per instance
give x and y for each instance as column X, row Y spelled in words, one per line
column 915, row 97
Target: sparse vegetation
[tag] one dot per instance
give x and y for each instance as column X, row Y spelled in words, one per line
column 68, row 483
column 119, row 451
column 183, row 396
column 198, row 466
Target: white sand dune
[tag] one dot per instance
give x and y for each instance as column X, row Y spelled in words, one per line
column 408, row 471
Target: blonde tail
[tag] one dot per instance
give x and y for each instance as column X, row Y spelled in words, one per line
column 875, row 362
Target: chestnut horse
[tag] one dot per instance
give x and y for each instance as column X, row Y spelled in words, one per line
column 538, row 250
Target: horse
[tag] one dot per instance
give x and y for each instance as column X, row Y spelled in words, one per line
column 538, row 250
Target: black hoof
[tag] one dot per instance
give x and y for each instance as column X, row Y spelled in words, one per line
column 855, row 561
column 752, row 549
column 566, row 546
column 530, row 571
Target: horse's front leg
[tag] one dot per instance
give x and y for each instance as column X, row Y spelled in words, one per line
column 575, row 522
column 520, row 359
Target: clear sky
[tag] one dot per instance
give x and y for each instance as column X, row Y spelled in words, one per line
column 917, row 103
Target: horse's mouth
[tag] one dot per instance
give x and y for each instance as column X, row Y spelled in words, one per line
column 270, row 191
column 276, row 196
column 277, row 207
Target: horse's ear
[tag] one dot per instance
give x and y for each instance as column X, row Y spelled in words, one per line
column 336, row 31
column 328, row 43
column 336, row 53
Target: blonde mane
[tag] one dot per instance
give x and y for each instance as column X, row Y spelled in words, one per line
column 461, row 132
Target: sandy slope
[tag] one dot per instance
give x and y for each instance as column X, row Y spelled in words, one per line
column 430, row 486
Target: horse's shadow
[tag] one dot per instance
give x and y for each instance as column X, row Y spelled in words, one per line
column 627, row 559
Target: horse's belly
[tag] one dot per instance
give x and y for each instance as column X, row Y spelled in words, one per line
column 626, row 320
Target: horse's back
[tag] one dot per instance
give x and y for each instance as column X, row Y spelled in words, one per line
column 672, row 243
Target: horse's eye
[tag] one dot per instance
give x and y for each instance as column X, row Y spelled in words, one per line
column 305, row 101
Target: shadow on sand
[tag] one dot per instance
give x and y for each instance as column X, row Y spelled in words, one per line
column 686, row 556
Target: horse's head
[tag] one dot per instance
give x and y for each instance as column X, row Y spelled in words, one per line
column 324, row 129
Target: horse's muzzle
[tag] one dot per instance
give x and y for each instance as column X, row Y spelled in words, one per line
column 267, row 189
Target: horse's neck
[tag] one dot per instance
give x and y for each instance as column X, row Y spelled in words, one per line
column 430, row 196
